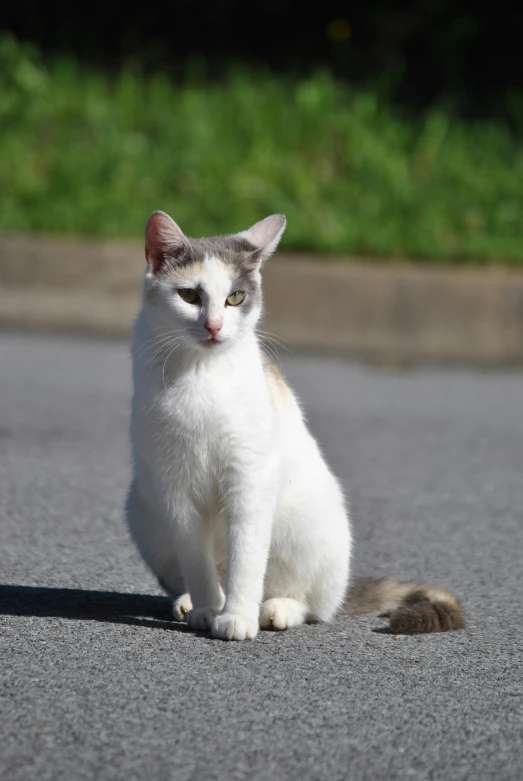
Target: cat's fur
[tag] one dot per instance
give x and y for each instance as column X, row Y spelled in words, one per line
column 228, row 482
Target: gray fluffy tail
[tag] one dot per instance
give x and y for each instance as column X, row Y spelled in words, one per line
column 412, row 608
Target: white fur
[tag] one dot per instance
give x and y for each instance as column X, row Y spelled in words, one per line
column 225, row 470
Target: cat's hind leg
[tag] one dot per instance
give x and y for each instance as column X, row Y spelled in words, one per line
column 281, row 613
column 308, row 565
column 154, row 541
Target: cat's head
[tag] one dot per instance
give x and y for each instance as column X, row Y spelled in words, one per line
column 206, row 291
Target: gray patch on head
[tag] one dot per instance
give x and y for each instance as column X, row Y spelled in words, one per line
column 234, row 251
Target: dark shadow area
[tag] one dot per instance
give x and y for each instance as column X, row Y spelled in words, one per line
column 465, row 54
column 110, row 607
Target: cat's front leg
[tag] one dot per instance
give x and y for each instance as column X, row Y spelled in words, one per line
column 195, row 552
column 250, row 518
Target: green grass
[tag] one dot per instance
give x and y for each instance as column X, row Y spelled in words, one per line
column 84, row 154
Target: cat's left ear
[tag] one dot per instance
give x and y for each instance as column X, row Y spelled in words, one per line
column 164, row 241
column 266, row 235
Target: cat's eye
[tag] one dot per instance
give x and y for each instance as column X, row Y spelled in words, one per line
column 235, row 298
column 189, row 295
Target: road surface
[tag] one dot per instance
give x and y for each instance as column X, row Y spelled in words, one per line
column 99, row 683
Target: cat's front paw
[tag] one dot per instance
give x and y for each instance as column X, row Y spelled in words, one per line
column 181, row 607
column 200, row 618
column 234, row 626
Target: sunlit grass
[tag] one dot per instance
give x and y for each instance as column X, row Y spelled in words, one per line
column 84, row 154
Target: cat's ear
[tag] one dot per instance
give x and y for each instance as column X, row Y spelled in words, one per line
column 163, row 241
column 266, row 235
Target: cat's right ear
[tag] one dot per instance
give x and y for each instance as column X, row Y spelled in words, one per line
column 164, row 241
column 265, row 236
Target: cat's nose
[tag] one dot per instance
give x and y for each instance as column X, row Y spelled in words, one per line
column 213, row 326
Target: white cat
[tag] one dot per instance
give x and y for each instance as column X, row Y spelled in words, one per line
column 227, row 477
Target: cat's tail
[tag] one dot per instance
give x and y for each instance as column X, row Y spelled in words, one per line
column 412, row 608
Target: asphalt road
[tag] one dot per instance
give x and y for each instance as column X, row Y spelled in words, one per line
column 99, row 683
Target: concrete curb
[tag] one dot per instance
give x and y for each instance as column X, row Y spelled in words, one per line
column 378, row 311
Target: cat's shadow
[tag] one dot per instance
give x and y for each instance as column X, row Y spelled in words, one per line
column 110, row 607
column 145, row 610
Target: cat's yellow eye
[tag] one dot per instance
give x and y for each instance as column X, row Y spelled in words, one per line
column 189, row 295
column 236, row 298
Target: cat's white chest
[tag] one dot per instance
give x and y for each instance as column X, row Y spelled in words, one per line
column 191, row 432
column 189, row 443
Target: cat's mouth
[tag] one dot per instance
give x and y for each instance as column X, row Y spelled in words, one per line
column 212, row 340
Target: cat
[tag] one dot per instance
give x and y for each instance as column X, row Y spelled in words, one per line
column 229, row 488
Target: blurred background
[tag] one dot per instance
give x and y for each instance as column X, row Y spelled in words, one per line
column 390, row 134
column 380, row 129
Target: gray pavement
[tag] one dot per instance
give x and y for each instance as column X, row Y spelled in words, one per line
column 98, row 683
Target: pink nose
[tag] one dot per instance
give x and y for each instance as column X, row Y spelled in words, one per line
column 213, row 328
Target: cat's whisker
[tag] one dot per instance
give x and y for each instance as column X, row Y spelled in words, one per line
column 271, row 350
column 269, row 340
column 161, row 342
column 277, row 337
column 272, row 338
column 157, row 358
column 270, row 333
column 154, row 351
column 167, row 358
column 152, row 342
